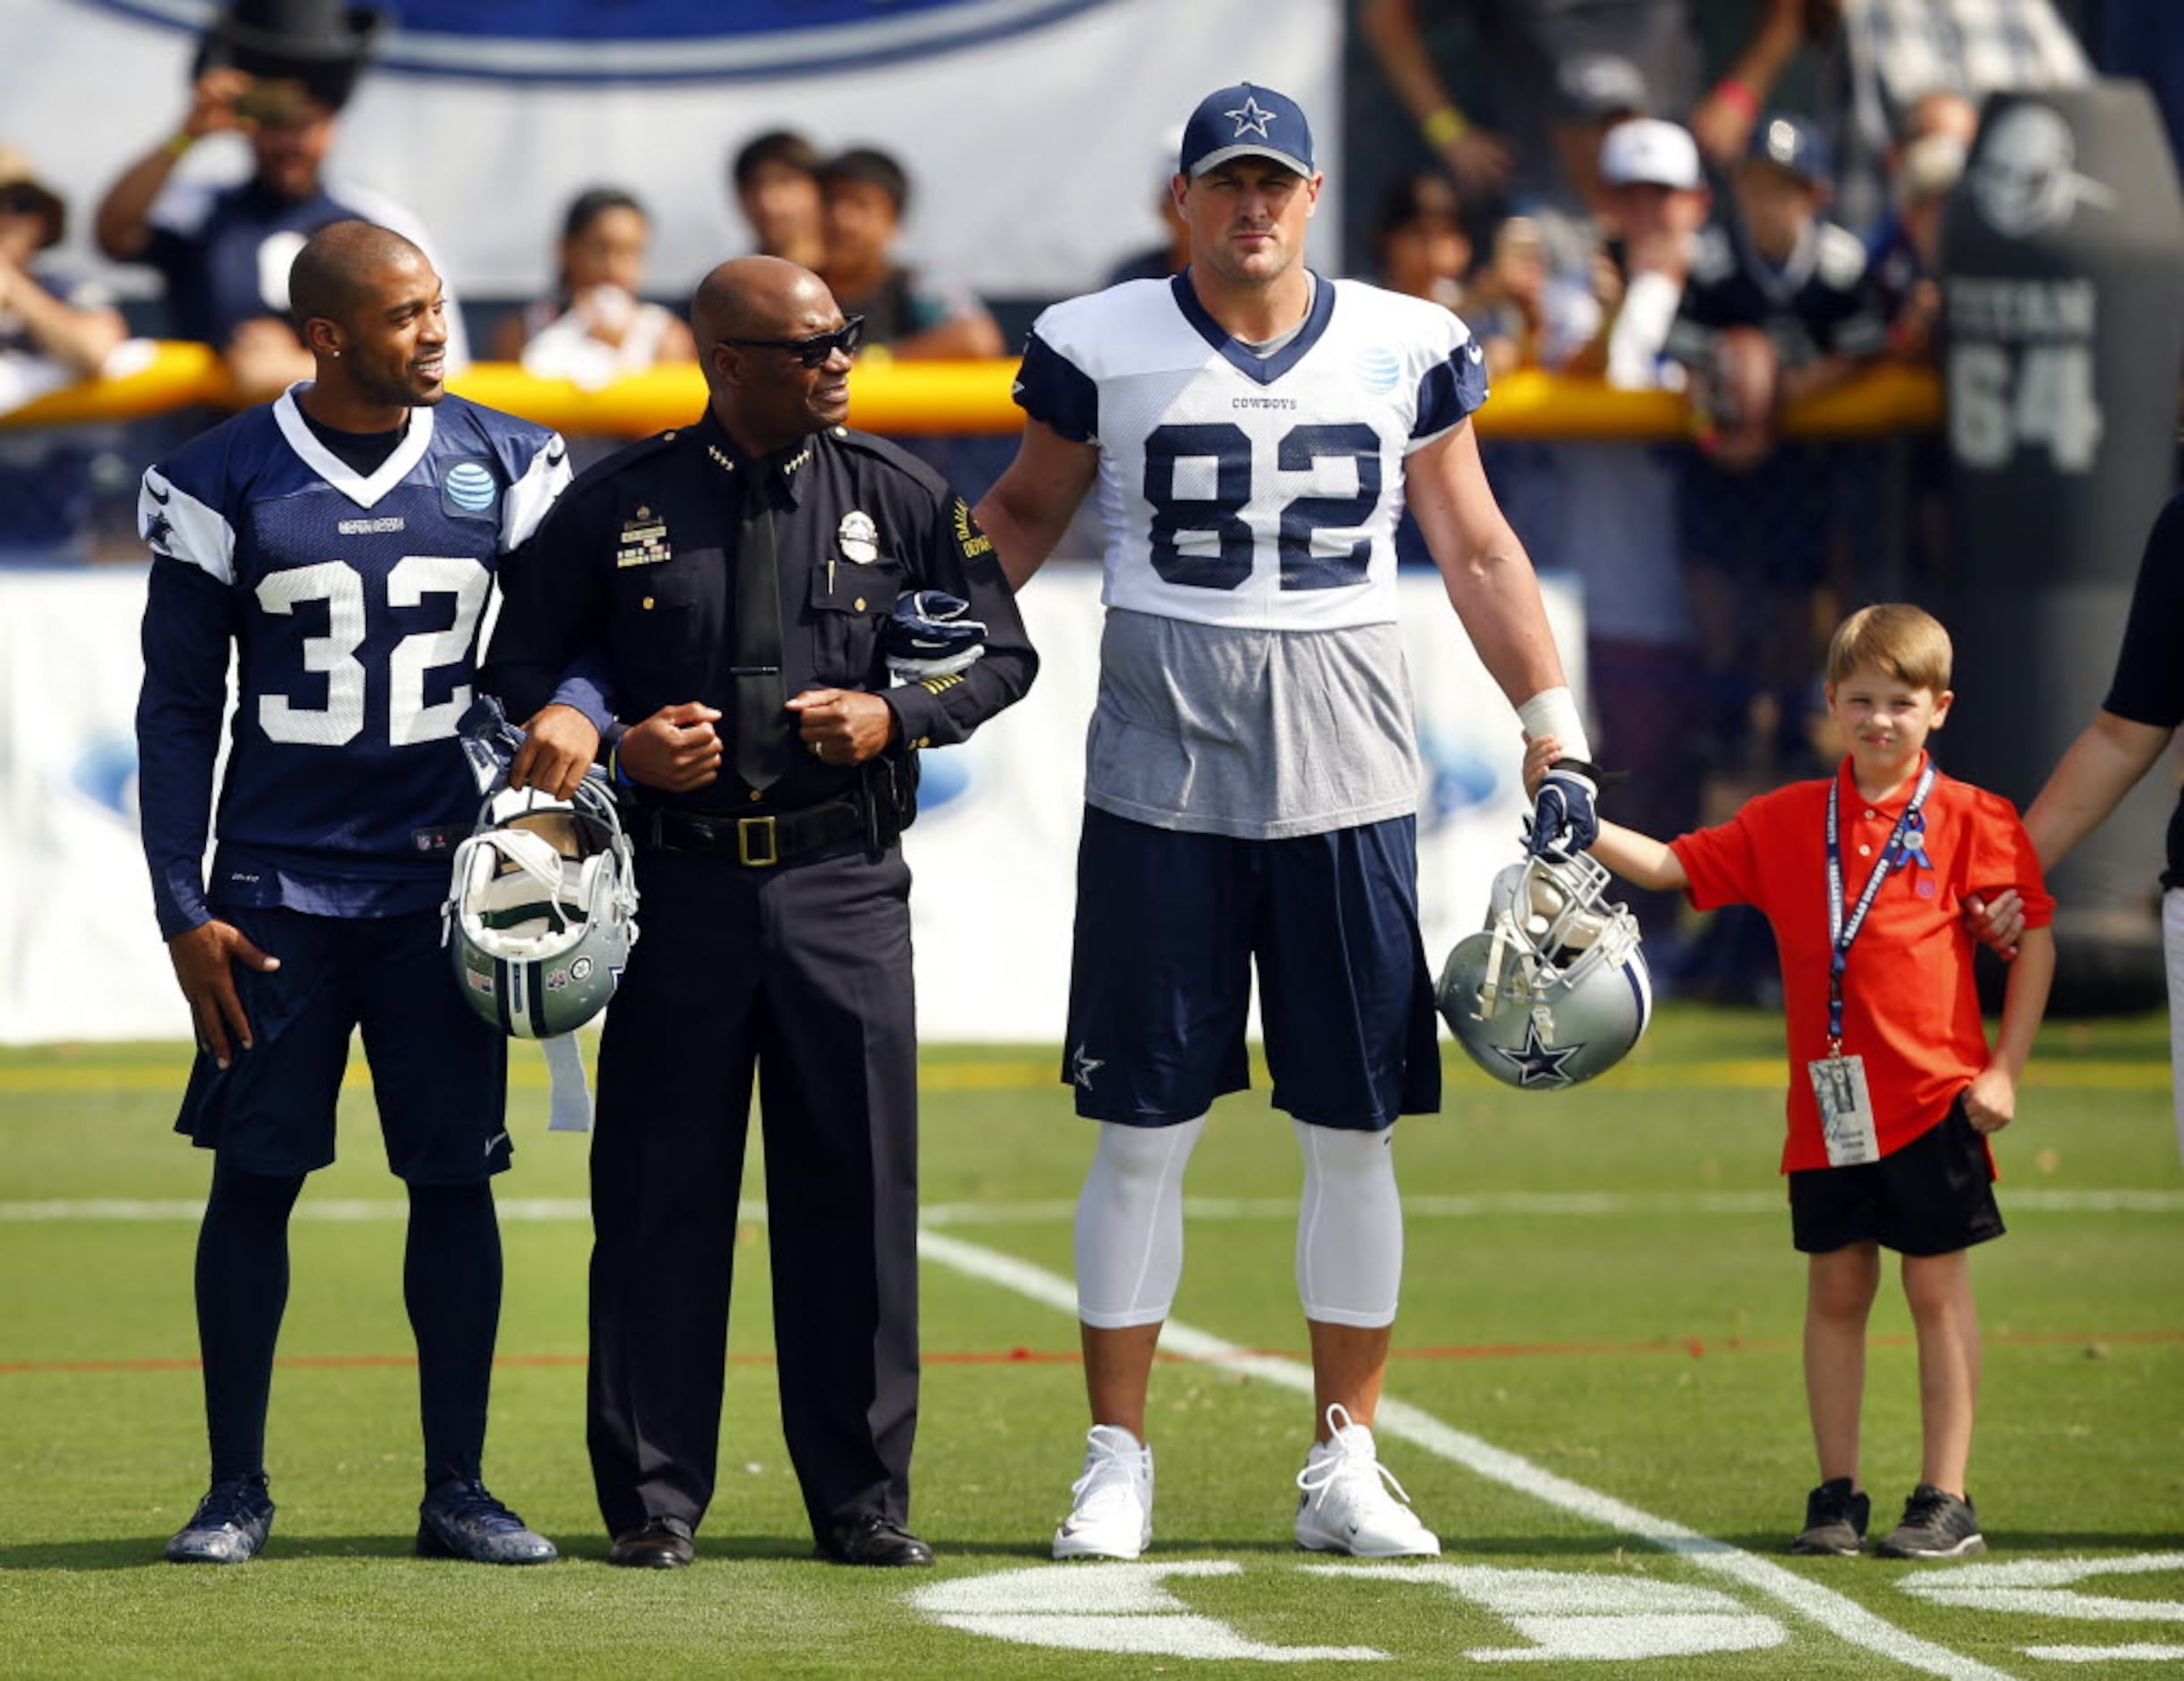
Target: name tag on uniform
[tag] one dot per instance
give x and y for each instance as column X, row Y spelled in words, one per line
column 1845, row 1111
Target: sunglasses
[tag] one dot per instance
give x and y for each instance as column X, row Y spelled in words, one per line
column 815, row 351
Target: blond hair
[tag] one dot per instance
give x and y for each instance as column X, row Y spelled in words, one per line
column 1907, row 641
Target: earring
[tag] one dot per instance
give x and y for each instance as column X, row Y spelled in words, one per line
column 336, row 355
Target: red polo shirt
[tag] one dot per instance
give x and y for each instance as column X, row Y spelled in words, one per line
column 1909, row 1007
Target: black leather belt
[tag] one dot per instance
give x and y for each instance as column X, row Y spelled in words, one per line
column 754, row 842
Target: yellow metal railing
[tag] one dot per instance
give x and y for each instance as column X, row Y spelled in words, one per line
column 955, row 398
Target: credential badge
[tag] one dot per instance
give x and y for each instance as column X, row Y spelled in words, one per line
column 859, row 537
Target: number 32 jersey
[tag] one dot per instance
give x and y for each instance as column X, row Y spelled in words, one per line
column 1251, row 672
column 352, row 603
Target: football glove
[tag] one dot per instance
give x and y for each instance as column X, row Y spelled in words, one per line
column 927, row 635
column 1563, row 822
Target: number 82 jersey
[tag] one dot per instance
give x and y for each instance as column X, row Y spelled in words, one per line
column 1246, row 490
column 353, row 603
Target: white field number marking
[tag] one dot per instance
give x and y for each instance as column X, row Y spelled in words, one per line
column 2042, row 1587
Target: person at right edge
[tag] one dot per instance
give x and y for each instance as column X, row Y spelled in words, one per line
column 742, row 576
column 1865, row 876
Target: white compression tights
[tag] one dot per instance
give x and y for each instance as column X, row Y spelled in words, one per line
column 1349, row 1227
column 1130, row 1225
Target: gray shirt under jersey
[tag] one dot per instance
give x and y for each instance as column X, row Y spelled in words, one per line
column 1260, row 734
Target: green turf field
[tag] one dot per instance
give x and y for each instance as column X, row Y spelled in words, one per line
column 1596, row 1401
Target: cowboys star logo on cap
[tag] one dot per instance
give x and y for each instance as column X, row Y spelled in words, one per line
column 1246, row 121
column 1251, row 118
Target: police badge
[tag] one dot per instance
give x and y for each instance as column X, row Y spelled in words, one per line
column 860, row 538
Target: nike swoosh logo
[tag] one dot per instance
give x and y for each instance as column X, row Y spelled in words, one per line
column 157, row 495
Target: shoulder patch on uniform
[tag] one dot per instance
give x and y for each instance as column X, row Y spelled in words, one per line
column 1840, row 258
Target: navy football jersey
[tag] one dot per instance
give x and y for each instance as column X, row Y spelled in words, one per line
column 353, row 605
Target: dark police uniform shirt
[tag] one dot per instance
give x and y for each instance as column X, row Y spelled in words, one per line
column 354, row 602
column 638, row 558
column 224, row 252
column 2149, row 684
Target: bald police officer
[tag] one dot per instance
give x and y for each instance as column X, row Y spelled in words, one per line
column 738, row 575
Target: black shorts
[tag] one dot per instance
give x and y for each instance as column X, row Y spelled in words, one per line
column 1934, row 1196
column 438, row 1070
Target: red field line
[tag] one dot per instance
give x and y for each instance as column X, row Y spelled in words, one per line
column 1694, row 1347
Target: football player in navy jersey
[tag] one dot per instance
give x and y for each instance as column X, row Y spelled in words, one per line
column 1252, row 769
column 342, row 540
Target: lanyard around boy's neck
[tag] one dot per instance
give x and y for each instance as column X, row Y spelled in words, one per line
column 1841, row 932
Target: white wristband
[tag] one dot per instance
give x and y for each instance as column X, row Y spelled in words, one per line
column 1553, row 712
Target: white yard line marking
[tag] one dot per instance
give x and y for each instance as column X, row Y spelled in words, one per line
column 1485, row 1205
column 1836, row 1614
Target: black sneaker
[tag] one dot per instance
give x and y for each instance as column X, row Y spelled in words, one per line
column 460, row 1520
column 1936, row 1525
column 1834, row 1520
column 229, row 1526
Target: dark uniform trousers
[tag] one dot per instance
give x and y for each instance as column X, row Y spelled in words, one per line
column 801, row 971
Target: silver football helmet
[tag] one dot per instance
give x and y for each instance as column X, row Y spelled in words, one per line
column 541, row 909
column 1554, row 990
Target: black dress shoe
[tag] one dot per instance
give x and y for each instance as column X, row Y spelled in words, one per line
column 663, row 1543
column 873, row 1540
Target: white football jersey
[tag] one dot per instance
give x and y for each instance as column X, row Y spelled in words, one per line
column 1242, row 490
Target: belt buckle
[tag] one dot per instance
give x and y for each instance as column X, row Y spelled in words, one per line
column 745, row 828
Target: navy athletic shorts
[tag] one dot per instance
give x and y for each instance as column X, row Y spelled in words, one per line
column 440, row 1071
column 1934, row 1196
column 1170, row 925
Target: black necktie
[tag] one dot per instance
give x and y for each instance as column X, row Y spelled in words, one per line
column 762, row 739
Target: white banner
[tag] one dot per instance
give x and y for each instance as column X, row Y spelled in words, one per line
column 1035, row 132
column 993, row 851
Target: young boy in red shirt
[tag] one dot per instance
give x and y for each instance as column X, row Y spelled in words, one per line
column 1892, row 1089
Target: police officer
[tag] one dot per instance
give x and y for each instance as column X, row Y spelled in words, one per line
column 738, row 575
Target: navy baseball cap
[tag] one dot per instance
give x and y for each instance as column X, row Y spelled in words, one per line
column 1246, row 121
column 1792, row 145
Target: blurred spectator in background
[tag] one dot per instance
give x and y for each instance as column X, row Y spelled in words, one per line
column 597, row 326
column 55, row 328
column 1883, row 55
column 1507, row 307
column 1778, row 306
column 776, row 178
column 1527, row 146
column 1620, row 510
column 1173, row 254
column 276, row 72
column 908, row 312
column 1420, row 245
column 1906, row 259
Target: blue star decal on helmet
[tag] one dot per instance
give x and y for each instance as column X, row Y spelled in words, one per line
column 1251, row 118
column 1536, row 1065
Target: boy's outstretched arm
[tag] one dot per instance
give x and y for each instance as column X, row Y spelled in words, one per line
column 1639, row 859
column 1991, row 1100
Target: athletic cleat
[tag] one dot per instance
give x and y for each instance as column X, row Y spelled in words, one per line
column 1936, row 1525
column 460, row 1520
column 229, row 1526
column 1834, row 1520
column 1346, row 1506
column 1112, row 1517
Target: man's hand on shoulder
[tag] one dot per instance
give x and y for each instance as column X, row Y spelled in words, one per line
column 560, row 745
column 204, row 959
column 677, row 748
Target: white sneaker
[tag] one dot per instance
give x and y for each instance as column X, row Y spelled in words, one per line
column 1112, row 1517
column 1346, row 1506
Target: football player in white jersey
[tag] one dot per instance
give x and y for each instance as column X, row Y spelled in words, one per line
column 1255, row 432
